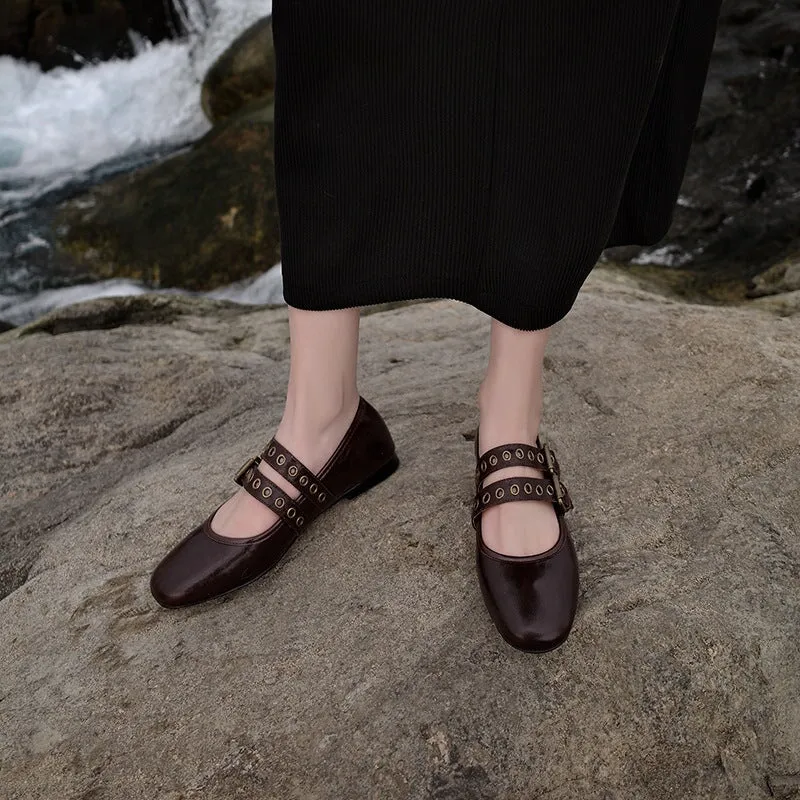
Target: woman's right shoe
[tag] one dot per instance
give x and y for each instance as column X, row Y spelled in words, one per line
column 205, row 564
column 532, row 600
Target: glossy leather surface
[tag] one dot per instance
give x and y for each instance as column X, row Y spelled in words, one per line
column 533, row 599
column 205, row 564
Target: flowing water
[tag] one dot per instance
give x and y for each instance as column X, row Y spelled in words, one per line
column 64, row 130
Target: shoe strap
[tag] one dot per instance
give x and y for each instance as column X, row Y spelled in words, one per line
column 298, row 474
column 521, row 488
column 266, row 491
column 515, row 454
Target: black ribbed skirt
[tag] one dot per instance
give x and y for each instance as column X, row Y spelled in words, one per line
column 485, row 151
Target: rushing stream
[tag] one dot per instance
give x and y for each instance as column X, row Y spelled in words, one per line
column 65, row 129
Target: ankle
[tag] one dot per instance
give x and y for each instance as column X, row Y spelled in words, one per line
column 501, row 419
column 311, row 415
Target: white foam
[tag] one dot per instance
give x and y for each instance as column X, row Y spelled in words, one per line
column 63, row 122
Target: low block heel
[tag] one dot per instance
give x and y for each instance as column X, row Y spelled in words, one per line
column 381, row 474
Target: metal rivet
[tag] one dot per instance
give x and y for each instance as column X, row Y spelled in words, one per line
column 527, row 488
column 514, row 489
column 499, row 492
column 256, row 483
column 281, row 459
column 293, row 470
column 538, row 489
column 279, row 502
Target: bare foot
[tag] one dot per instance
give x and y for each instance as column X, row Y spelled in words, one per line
column 520, row 527
column 313, row 443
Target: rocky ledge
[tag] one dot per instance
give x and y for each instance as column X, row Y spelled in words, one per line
column 365, row 666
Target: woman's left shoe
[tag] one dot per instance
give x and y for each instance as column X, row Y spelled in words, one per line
column 532, row 599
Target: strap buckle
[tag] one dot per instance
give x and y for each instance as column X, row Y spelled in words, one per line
column 552, row 468
column 250, row 463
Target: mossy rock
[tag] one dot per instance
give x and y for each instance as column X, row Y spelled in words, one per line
column 197, row 220
column 244, row 73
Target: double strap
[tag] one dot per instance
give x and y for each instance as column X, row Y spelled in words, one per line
column 538, row 456
column 293, row 510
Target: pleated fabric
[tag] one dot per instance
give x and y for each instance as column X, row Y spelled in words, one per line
column 485, row 151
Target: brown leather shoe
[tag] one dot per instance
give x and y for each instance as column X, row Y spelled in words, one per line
column 205, row 564
column 532, row 600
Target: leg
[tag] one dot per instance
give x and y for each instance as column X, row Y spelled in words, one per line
column 321, row 402
column 510, row 405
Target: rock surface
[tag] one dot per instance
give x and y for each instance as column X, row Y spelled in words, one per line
column 365, row 666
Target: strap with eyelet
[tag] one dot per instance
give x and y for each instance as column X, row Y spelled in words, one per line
column 519, row 488
column 290, row 509
column 514, row 454
column 295, row 472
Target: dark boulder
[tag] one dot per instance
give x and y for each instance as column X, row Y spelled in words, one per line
column 70, row 33
column 197, row 220
column 243, row 73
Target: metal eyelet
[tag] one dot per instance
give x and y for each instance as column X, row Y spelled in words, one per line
column 519, row 452
column 492, row 460
column 271, row 451
column 303, row 480
column 506, row 455
column 514, row 489
column 531, row 455
column 250, row 473
column 257, row 483
column 539, row 490
column 483, row 465
column 549, row 490
column 499, row 492
column 540, row 458
column 266, row 491
column 486, row 497
column 291, row 512
column 322, row 497
column 300, row 520
column 280, row 502
column 293, row 470
column 313, row 488
column 281, row 459
column 527, row 488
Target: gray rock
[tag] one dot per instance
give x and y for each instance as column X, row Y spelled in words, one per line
column 366, row 666
column 783, row 277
